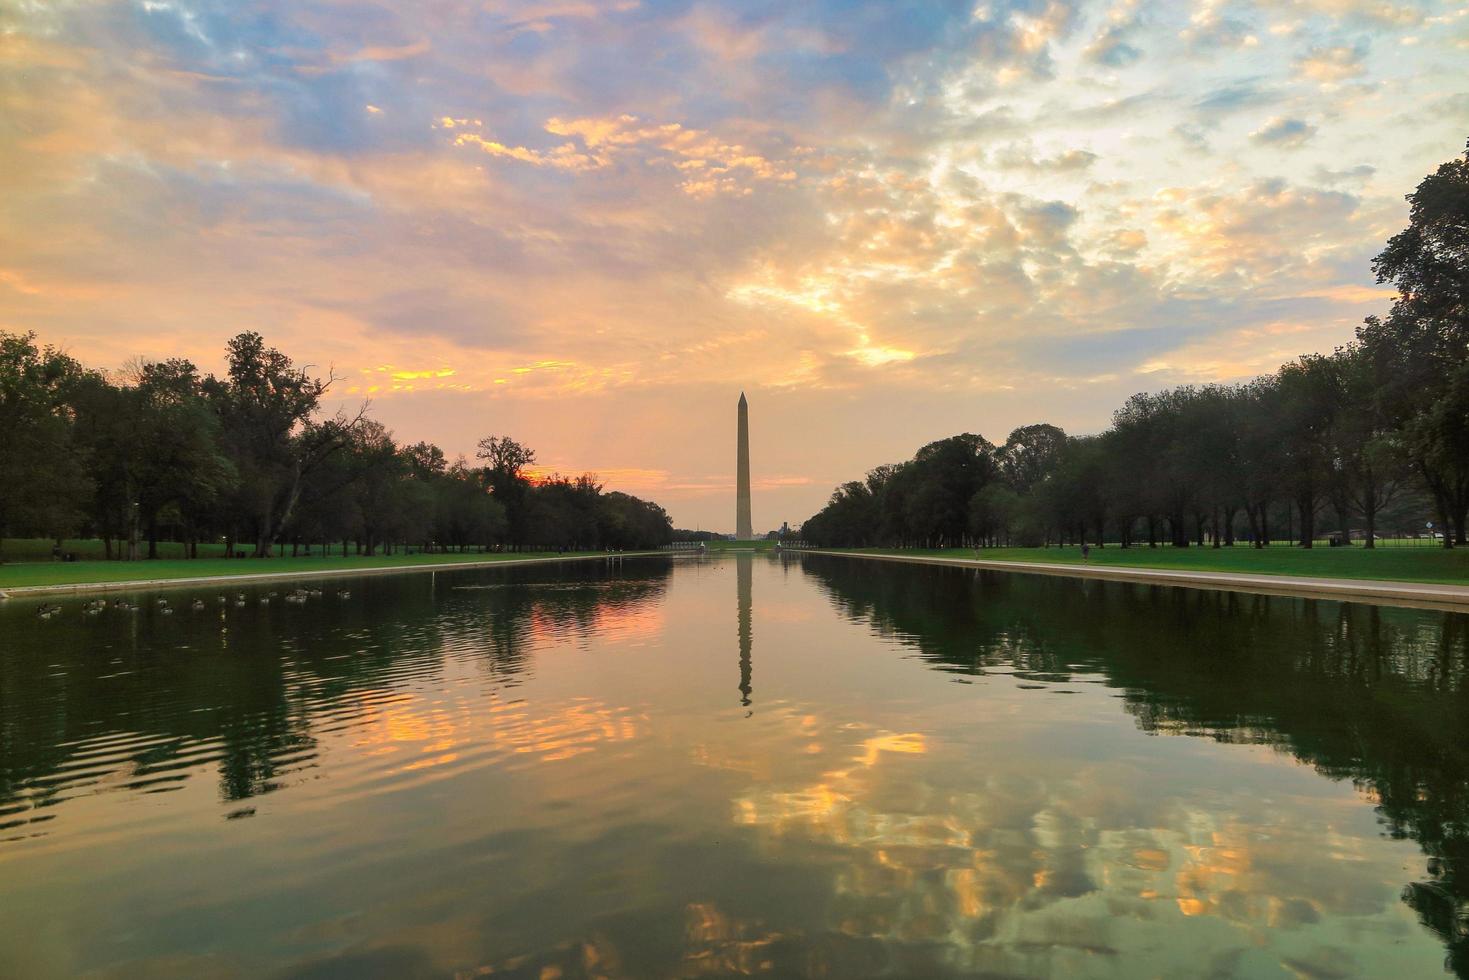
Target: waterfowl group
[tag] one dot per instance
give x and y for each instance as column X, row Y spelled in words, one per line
column 95, row 607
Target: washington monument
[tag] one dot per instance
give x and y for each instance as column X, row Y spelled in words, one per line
column 743, row 530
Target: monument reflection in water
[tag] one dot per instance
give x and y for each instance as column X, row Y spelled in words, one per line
column 745, row 577
column 545, row 771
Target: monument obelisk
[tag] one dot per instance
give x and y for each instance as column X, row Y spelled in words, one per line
column 743, row 530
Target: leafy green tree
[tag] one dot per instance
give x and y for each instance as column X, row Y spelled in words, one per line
column 627, row 522
column 377, row 472
column 850, row 519
column 1261, row 454
column 1309, row 403
column 179, row 459
column 505, row 463
column 267, row 409
column 1151, row 436
column 1078, row 498
column 945, row 475
column 992, row 513
column 43, row 481
column 104, row 429
column 1030, row 454
column 1370, row 465
column 466, row 514
column 1420, row 350
column 562, row 513
column 425, row 460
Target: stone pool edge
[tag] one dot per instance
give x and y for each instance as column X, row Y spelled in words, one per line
column 24, row 591
column 1453, row 598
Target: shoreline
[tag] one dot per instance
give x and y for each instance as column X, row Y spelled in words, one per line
column 1422, row 595
column 26, row 591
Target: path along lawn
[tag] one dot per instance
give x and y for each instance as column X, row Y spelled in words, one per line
column 24, row 574
column 1435, row 565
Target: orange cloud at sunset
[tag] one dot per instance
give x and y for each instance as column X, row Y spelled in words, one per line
column 590, row 225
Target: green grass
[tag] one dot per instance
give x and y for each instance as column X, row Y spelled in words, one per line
column 1430, row 565
column 85, row 572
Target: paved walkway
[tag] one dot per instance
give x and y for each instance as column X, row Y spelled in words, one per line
column 1421, row 594
column 23, row 591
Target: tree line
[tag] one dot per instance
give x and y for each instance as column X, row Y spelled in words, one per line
column 250, row 460
column 1338, row 438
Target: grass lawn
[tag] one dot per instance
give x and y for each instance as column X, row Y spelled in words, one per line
column 1433, row 565
column 48, row 572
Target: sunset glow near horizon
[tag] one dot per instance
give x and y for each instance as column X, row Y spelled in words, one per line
column 589, row 224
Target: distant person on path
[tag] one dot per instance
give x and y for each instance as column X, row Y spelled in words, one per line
column 1086, row 552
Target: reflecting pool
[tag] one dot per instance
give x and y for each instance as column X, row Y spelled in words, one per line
column 695, row 767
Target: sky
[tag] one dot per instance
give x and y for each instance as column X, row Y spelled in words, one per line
column 590, row 224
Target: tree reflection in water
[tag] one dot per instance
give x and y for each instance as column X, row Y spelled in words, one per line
column 246, row 688
column 1375, row 695
column 540, row 769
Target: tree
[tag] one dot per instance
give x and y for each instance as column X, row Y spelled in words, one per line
column 992, row 512
column 563, row 513
column 1029, row 455
column 1309, row 402
column 505, row 462
column 945, row 475
column 850, row 518
column 179, row 461
column 465, row 513
column 155, row 449
column 1369, row 460
column 43, row 481
column 425, row 460
column 1419, row 351
column 1261, row 454
column 378, row 474
column 1150, row 432
column 267, row 408
column 504, row 457
column 1078, row 497
column 628, row 522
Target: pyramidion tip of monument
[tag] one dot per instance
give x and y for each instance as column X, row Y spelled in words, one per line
column 742, row 398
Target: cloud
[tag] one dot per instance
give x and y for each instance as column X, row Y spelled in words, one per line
column 1233, row 98
column 704, row 164
column 563, row 157
column 1368, row 13
column 1023, row 157
column 913, row 212
column 1191, row 136
column 1283, row 132
column 384, row 52
column 1329, row 65
column 1213, row 25
column 1361, row 172
column 1111, row 48
column 1268, row 231
column 541, row 16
